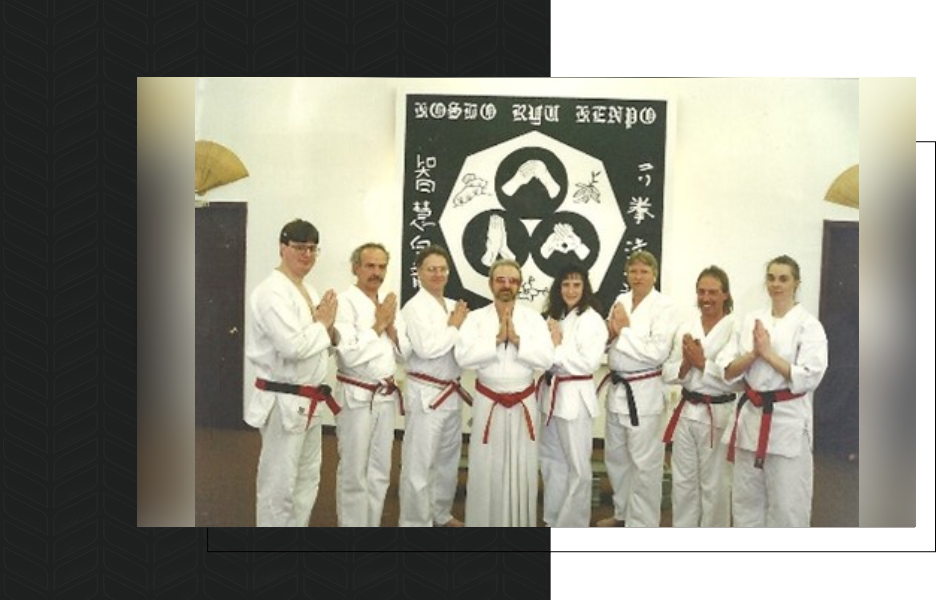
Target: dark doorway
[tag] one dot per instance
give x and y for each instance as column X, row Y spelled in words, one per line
column 836, row 400
column 220, row 234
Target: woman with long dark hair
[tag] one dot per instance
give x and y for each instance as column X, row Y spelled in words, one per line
column 567, row 398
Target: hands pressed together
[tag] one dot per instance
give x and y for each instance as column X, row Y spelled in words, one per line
column 506, row 332
column 618, row 320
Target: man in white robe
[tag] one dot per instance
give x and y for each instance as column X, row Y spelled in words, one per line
column 432, row 439
column 701, row 471
column 506, row 342
column 289, row 334
column 371, row 344
column 641, row 328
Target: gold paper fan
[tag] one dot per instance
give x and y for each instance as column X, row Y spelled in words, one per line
column 215, row 166
column 844, row 189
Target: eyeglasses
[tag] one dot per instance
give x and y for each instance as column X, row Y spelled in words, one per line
column 305, row 248
column 441, row 270
column 511, row 280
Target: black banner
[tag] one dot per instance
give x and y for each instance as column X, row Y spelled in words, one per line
column 539, row 180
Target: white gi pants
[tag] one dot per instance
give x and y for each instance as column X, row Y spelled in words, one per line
column 429, row 475
column 365, row 443
column 502, row 474
column 701, row 477
column 565, row 462
column 779, row 495
column 634, row 458
column 288, row 473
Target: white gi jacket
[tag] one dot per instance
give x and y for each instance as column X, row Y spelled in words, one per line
column 580, row 353
column 286, row 345
column 504, row 367
column 644, row 346
column 362, row 354
column 800, row 339
column 711, row 381
column 432, row 341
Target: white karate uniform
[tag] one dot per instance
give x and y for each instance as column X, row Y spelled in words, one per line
column 566, row 440
column 366, row 421
column 502, row 473
column 284, row 344
column 432, row 440
column 701, row 471
column 780, row 494
column 633, row 454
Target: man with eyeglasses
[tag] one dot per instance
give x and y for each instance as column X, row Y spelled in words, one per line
column 289, row 335
column 432, row 440
column 372, row 342
column 506, row 342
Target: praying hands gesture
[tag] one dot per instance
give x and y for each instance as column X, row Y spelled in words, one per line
column 506, row 332
column 692, row 355
column 325, row 314
column 618, row 320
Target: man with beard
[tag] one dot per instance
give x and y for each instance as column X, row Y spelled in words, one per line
column 701, row 471
column 289, row 334
column 505, row 342
column 371, row 344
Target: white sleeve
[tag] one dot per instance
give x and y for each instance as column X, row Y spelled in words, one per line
column 293, row 341
column 581, row 354
column 536, row 346
column 405, row 349
column 812, row 358
column 356, row 346
column 428, row 341
column 475, row 347
column 732, row 350
column 653, row 347
column 674, row 361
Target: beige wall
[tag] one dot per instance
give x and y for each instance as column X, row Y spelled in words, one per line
column 749, row 163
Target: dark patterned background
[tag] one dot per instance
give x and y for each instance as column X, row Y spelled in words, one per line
column 71, row 251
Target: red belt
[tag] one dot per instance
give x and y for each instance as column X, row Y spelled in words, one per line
column 449, row 386
column 553, row 382
column 764, row 401
column 507, row 400
column 696, row 398
column 387, row 387
column 626, row 381
column 315, row 395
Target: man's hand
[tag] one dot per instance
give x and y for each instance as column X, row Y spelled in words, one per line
column 385, row 314
column 618, row 320
column 693, row 353
column 458, row 314
column 325, row 312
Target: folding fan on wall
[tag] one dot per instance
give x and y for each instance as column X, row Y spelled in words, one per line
column 844, row 189
column 215, row 166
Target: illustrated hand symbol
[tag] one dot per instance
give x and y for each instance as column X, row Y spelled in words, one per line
column 564, row 239
column 496, row 244
column 529, row 170
column 474, row 186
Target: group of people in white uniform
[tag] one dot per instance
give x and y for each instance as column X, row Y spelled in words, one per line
column 741, row 433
